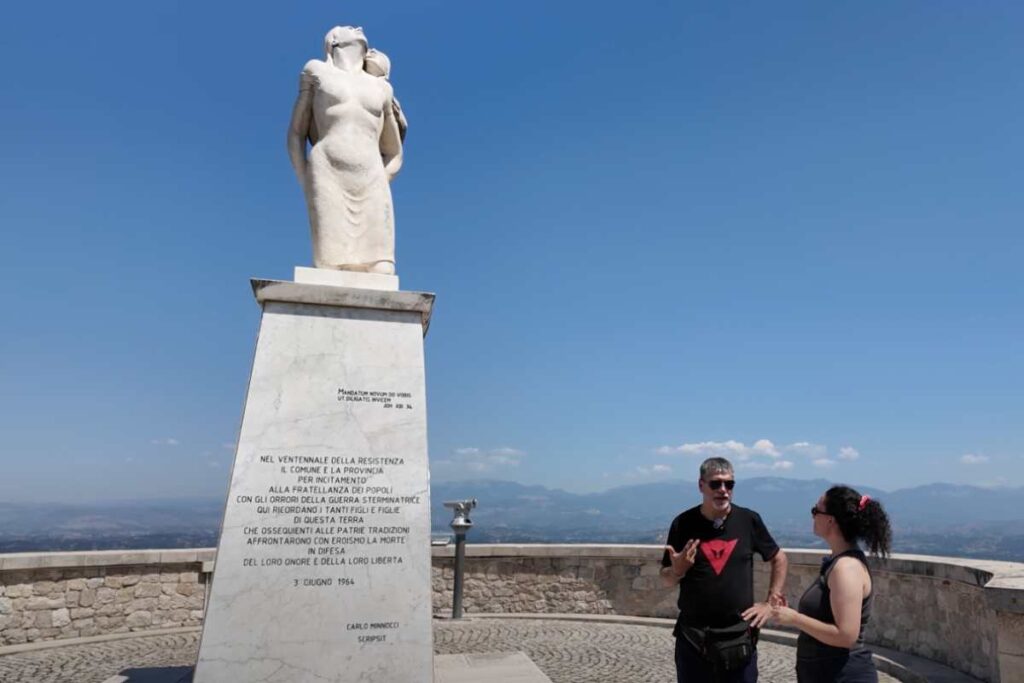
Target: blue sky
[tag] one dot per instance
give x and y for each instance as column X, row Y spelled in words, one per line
column 789, row 232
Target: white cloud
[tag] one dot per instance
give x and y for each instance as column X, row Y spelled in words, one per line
column 648, row 471
column 165, row 442
column 766, row 447
column 777, row 465
column 735, row 450
column 972, row 459
column 704, row 448
column 810, row 450
column 848, row 453
column 763, row 454
column 505, row 456
column 479, row 460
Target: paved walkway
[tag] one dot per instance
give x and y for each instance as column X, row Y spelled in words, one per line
column 566, row 651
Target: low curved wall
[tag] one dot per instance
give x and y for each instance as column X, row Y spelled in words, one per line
column 967, row 614
column 936, row 608
column 571, row 579
column 46, row 596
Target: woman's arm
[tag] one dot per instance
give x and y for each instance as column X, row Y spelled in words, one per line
column 390, row 140
column 777, row 582
column 299, row 127
column 846, row 588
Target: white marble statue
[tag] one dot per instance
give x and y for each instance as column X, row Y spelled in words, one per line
column 347, row 112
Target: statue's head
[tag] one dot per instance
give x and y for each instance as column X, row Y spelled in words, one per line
column 377, row 63
column 342, row 37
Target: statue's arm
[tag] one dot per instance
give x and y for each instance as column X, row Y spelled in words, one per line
column 314, row 134
column 390, row 139
column 403, row 123
column 300, row 126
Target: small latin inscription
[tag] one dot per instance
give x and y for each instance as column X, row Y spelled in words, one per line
column 399, row 400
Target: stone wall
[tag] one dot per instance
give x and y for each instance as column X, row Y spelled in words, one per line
column 591, row 579
column 70, row 595
column 967, row 614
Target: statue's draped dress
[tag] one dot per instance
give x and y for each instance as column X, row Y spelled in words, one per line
column 349, row 197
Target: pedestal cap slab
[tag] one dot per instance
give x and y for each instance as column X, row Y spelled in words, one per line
column 347, row 297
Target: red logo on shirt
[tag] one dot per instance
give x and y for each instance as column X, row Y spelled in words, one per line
column 718, row 552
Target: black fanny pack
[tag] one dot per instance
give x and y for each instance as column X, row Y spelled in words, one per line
column 725, row 649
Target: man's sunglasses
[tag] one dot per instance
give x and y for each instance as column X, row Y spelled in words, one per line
column 716, row 484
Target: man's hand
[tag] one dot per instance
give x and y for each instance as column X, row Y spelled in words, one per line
column 777, row 599
column 683, row 560
column 758, row 613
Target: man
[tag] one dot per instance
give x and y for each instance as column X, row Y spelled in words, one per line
column 710, row 555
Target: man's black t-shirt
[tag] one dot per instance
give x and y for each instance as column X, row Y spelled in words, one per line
column 720, row 585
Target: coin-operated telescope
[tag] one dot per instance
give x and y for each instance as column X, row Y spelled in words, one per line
column 460, row 525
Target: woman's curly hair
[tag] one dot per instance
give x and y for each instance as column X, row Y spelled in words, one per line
column 860, row 518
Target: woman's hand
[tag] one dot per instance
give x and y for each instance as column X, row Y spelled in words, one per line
column 783, row 616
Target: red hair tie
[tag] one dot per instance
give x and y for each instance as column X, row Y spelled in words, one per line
column 863, row 502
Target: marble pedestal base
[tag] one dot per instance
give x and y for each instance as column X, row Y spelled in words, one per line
column 499, row 667
column 323, row 566
column 346, row 278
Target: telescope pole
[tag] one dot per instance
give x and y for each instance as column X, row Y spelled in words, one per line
column 460, row 560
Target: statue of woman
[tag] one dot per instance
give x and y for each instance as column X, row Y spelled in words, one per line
column 349, row 117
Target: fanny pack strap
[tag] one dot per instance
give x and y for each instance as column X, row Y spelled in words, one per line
column 696, row 637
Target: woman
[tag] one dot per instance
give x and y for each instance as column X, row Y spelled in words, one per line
column 836, row 607
column 349, row 117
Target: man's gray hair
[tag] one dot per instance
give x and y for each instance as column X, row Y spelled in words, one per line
column 713, row 466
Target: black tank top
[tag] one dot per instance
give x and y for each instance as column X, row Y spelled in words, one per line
column 816, row 603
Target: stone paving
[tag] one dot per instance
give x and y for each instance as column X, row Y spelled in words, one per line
column 96, row 662
column 567, row 651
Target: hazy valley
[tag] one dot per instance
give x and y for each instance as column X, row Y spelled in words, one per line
column 939, row 519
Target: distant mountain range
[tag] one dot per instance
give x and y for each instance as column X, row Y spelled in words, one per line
column 947, row 519
column 942, row 519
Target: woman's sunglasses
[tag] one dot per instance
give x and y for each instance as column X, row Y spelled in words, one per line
column 716, row 484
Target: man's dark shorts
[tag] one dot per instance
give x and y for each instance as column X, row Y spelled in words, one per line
column 692, row 668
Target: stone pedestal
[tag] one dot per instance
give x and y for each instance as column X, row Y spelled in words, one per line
column 323, row 566
column 499, row 667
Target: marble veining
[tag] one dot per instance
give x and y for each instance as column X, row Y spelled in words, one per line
column 334, row 419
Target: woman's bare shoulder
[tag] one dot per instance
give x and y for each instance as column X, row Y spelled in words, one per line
column 847, row 569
